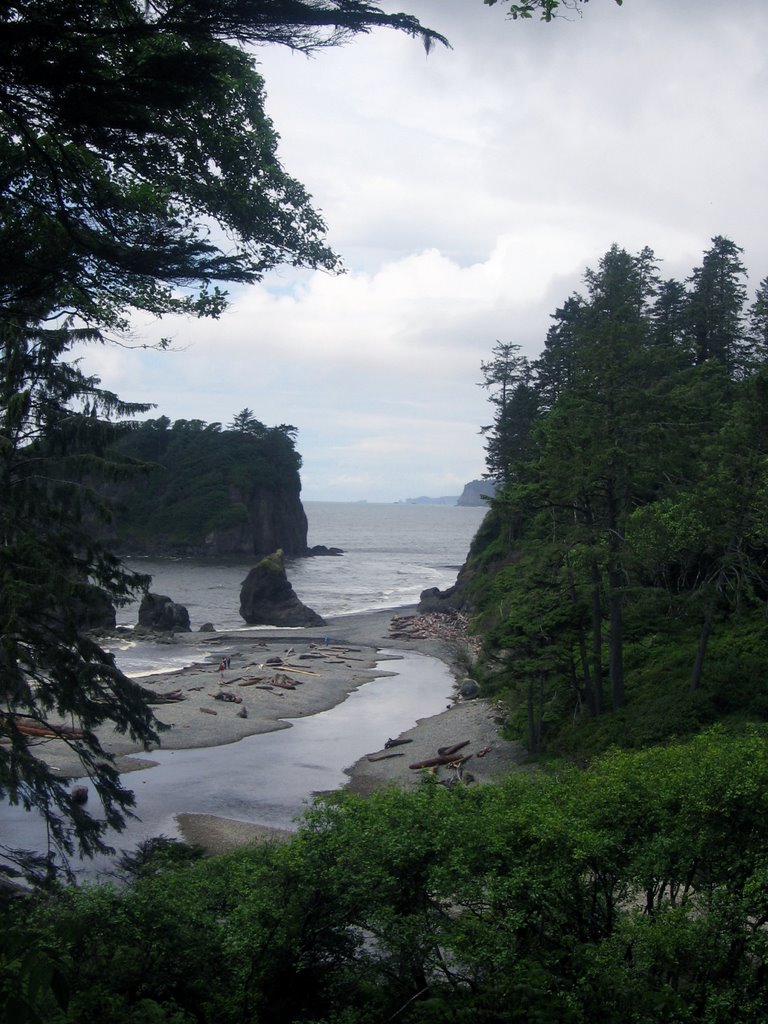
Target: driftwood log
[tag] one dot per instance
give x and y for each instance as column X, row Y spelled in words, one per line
column 285, row 682
column 435, row 762
column 452, row 749
column 46, row 730
column 173, row 697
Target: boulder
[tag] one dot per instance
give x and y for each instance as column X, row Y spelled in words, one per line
column 268, row 599
column 94, row 609
column 444, row 601
column 321, row 549
column 469, row 689
column 162, row 615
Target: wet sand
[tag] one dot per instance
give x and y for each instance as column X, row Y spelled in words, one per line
column 279, row 674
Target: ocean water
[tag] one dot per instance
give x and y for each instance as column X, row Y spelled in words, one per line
column 391, row 553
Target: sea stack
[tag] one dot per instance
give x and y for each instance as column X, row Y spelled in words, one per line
column 268, row 599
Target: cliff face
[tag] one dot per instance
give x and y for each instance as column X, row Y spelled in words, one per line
column 272, row 518
column 474, row 492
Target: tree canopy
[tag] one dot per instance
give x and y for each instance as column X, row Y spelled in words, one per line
column 632, row 891
column 137, row 157
column 631, row 521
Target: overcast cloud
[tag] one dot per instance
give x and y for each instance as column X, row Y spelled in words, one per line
column 467, row 191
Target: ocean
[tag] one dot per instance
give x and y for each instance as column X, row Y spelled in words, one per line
column 391, row 554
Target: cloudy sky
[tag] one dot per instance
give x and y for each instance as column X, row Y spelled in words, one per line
column 467, row 191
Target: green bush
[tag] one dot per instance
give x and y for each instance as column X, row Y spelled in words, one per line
column 634, row 891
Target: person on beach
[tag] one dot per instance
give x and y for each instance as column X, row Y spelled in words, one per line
column 222, row 666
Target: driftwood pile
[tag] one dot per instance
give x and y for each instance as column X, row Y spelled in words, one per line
column 445, row 755
column 450, row 626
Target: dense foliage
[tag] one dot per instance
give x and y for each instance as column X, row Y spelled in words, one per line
column 628, row 547
column 634, row 893
column 200, row 479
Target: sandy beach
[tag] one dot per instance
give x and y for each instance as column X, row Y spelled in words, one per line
column 274, row 675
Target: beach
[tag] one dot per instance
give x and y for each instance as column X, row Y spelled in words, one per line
column 272, row 675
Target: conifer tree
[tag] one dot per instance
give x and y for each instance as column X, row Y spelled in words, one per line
column 508, row 377
column 716, row 307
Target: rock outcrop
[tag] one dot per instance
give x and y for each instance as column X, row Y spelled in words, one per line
column 267, row 597
column 264, row 520
column 476, row 491
column 94, row 609
column 436, row 600
column 162, row 615
column 206, row 492
column 451, row 600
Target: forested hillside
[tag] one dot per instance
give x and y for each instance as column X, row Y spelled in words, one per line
column 209, row 490
column 620, row 580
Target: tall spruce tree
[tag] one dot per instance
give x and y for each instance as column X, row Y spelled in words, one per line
column 597, row 450
column 508, row 378
column 55, row 679
column 716, row 307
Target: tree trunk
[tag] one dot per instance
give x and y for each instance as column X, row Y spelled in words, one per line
column 698, row 665
column 616, row 641
column 540, row 715
column 535, row 711
column 597, row 637
column 589, row 692
column 532, row 749
column 616, row 615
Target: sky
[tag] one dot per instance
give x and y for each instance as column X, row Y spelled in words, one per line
column 467, row 192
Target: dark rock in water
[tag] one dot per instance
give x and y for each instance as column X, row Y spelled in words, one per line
column 163, row 615
column 321, row 549
column 268, row 599
column 207, row 627
column 94, row 610
column 469, row 689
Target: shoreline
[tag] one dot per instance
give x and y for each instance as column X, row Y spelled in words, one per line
column 318, row 668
